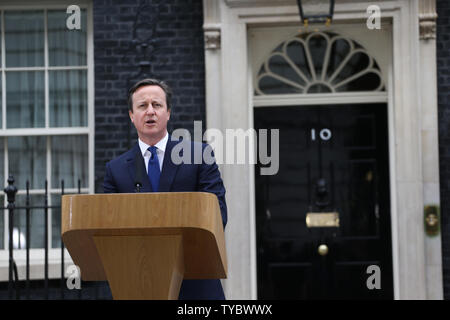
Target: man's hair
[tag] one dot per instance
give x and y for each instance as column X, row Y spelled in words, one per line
column 150, row 82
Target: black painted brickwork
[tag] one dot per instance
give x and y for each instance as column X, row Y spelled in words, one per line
column 443, row 62
column 135, row 39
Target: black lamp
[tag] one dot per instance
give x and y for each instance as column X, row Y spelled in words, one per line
column 316, row 11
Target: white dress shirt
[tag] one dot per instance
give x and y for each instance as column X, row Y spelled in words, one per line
column 161, row 145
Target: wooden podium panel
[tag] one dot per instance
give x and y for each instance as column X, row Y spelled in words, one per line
column 144, row 244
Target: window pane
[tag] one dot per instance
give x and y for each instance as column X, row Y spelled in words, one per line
column 66, row 47
column 2, row 221
column 56, row 221
column 24, row 38
column 2, row 163
column 1, row 99
column 25, row 99
column 0, row 46
column 27, row 161
column 2, row 180
column 68, row 98
column 37, row 222
column 69, row 161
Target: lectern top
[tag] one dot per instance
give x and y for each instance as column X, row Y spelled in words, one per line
column 194, row 215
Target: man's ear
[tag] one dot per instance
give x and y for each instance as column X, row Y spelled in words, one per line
column 130, row 113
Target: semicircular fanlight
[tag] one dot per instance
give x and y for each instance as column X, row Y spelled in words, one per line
column 318, row 62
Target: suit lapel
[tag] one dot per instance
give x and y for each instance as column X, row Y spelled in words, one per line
column 136, row 155
column 169, row 169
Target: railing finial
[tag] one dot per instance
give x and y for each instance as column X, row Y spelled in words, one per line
column 11, row 190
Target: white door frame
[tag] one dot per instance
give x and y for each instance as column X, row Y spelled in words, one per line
column 229, row 105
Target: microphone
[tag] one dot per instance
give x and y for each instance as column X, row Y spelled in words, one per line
column 140, row 169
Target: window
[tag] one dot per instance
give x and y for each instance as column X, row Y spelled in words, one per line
column 318, row 62
column 46, row 119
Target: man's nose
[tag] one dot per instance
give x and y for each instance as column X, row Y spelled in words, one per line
column 150, row 109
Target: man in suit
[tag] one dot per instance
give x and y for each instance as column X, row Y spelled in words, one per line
column 148, row 166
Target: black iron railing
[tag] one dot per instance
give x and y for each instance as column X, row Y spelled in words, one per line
column 20, row 288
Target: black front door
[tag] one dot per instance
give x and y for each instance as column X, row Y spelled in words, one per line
column 333, row 160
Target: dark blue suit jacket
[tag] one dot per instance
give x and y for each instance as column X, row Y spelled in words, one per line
column 120, row 177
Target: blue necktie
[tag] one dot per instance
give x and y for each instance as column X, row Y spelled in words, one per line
column 153, row 169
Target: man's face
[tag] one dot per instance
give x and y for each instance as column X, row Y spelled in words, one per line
column 150, row 114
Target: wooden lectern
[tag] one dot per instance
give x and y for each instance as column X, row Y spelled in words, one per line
column 144, row 244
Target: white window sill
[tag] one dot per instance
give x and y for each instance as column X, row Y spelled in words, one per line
column 37, row 264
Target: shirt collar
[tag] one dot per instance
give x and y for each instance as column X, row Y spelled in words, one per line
column 161, row 145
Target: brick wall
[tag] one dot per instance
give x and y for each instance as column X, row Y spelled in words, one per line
column 135, row 39
column 443, row 61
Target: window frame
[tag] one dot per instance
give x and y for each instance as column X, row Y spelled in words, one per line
column 37, row 255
